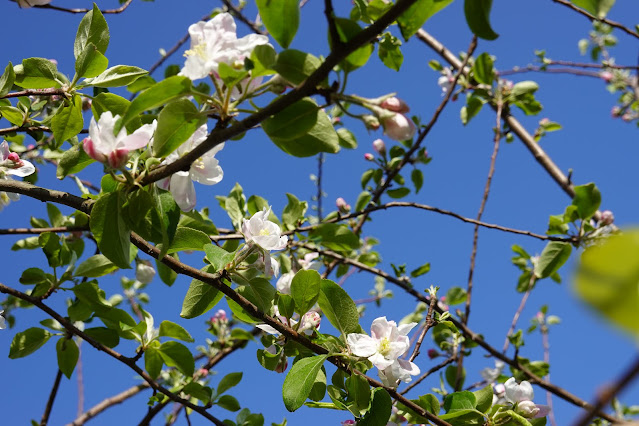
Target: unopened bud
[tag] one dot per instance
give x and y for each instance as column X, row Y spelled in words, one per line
column 379, row 146
column 144, row 273
column 310, row 321
column 399, row 127
column 527, row 409
column 219, row 316
column 86, row 104
column 203, row 372
column 278, row 84
column 607, row 218
column 395, row 104
column 371, row 122
column 369, row 157
column 342, row 205
column 606, row 76
column 615, row 111
column 432, row 354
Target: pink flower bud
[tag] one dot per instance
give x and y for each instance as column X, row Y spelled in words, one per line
column 220, row 315
column 16, row 159
column 607, row 218
column 606, row 76
column 89, row 148
column 395, row 104
column 348, row 422
column 379, row 146
column 203, row 372
column 399, row 127
column 432, row 354
column 118, row 158
column 615, row 111
column 626, row 117
column 369, row 157
column 310, row 321
column 544, row 121
column 342, row 205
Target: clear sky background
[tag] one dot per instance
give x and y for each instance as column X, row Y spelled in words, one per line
column 585, row 351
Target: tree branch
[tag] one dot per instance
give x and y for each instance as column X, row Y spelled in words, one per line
column 52, row 395
column 75, row 10
column 239, row 15
column 594, row 18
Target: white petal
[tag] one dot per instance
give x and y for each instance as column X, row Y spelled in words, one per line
column 138, row 139
column 381, row 328
column 26, row 169
column 268, row 329
column 183, row 190
column 4, row 151
column 380, row 361
column 406, row 328
column 361, row 344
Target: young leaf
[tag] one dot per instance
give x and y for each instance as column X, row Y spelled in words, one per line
column 68, row 354
column 229, row 381
column 93, row 29
column 110, row 230
column 478, row 18
column 381, row 409
column 157, row 95
column 171, row 329
column 296, row 66
column 95, row 266
column 90, row 62
column 299, row 381
column 587, row 199
column 281, row 18
column 67, row 121
column 117, row 76
column 416, row 15
column 153, row 362
column 200, row 298
column 177, row 355
column 176, row 124
column 7, row 79
column 554, row 255
column 73, row 160
column 28, row 341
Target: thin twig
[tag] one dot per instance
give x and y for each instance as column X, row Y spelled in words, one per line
column 594, row 18
column 16, row 231
column 537, row 68
column 75, row 10
column 15, row 129
column 428, row 373
column 239, row 15
column 52, row 395
column 520, row 309
column 320, row 166
column 543, row 328
column 109, row 402
column 35, row 92
column 80, row 379
column 430, row 321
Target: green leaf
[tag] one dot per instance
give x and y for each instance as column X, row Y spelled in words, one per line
column 177, row 122
column 177, row 355
column 362, row 201
column 389, row 51
column 218, row 257
column 228, row 402
column 359, row 391
column 338, row 307
column 7, row 79
column 157, row 95
column 229, row 381
column 106, row 336
column 281, row 18
column 381, row 409
column 478, row 18
column 200, row 298
column 28, row 341
column 264, row 58
column 305, row 289
column 260, row 292
column 346, row 138
column 286, row 305
column 117, row 76
column 90, row 62
column 418, row 179
column 554, row 255
column 175, row 331
column 68, row 354
column 484, row 398
column 196, row 390
column 483, row 69
column 296, row 66
column 93, row 296
column 73, row 160
column 416, row 15
column 293, row 121
column 153, row 362
column 587, row 199
column 599, row 8
column 187, row 239
column 110, row 230
column 13, row 115
column 456, row 295
column 67, row 121
column 299, row 381
column 451, row 374
column 523, row 88
column 95, row 266
column 335, row 237
column 398, row 193
column 294, row 211
column 32, row 276
column 93, row 29
column 36, row 73
column 347, row 29
column 607, row 278
column 459, row 401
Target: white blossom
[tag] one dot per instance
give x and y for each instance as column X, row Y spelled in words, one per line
column 398, row 127
column 401, row 369
column 25, row 4
column 214, row 42
column 12, row 164
column 104, row 146
column 144, row 273
column 284, row 283
column 446, row 80
column 521, row 395
column 3, row 323
column 263, row 232
column 386, row 343
column 205, row 170
column 491, row 374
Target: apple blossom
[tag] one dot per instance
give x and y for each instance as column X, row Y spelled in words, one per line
column 342, row 205
column 25, row 4
column 3, row 323
column 310, row 321
column 214, row 42
column 205, row 170
column 104, row 146
column 522, row 395
column 308, row 262
column 606, row 76
column 369, row 157
column 283, row 284
column 12, row 164
column 446, row 80
column 401, row 369
column 379, row 146
column 261, row 231
column 398, row 127
column 491, row 374
column 607, row 217
column 395, row 104
column 386, row 343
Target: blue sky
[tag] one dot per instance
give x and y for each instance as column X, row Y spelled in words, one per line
column 585, row 351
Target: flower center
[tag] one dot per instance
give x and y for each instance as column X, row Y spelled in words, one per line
column 264, row 232
column 384, row 346
column 197, row 50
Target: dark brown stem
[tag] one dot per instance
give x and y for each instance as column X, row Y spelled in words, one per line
column 594, row 18
column 109, row 402
column 35, row 92
column 106, row 11
column 14, row 231
column 52, row 395
column 329, row 12
column 428, row 373
column 430, row 321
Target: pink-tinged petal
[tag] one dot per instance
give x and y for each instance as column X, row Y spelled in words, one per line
column 361, row 344
column 409, row 367
column 138, row 139
column 544, row 410
column 183, row 190
column 25, row 170
column 102, row 135
column 381, row 328
column 4, row 151
column 118, row 158
column 164, row 183
column 89, row 148
column 206, row 170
